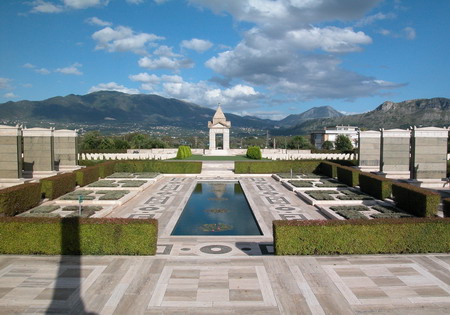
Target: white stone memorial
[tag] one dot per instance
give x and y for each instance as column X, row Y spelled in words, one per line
column 369, row 143
column 10, row 152
column 38, row 152
column 394, row 153
column 66, row 149
column 219, row 125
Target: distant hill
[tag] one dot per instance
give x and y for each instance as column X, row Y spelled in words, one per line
column 119, row 108
column 313, row 113
column 419, row 112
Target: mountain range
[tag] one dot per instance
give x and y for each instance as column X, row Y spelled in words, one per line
column 109, row 108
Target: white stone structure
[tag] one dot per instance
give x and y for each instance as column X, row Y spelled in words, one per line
column 219, row 125
column 38, row 152
column 395, row 153
column 369, row 150
column 318, row 137
column 66, row 149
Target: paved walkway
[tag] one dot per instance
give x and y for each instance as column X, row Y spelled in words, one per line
column 407, row 284
column 223, row 275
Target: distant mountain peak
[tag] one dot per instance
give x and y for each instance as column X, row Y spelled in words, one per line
column 312, row 113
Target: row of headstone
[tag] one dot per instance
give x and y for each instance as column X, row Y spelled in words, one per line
column 25, row 152
column 416, row 153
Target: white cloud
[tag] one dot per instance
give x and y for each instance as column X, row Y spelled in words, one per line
column 5, row 84
column 165, row 63
column 199, row 45
column 409, row 33
column 145, row 77
column 73, row 69
column 165, row 51
column 135, row 1
column 40, row 6
column 121, row 39
column 10, row 95
column 83, row 4
column 329, row 39
column 368, row 20
column 113, row 86
column 43, row 71
column 29, row 66
column 96, row 21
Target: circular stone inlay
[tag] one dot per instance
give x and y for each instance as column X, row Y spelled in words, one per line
column 215, row 249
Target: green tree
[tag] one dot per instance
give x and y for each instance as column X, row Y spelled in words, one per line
column 343, row 143
column 299, row 142
column 90, row 140
column 327, row 145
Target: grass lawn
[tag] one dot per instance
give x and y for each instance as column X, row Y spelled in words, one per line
column 216, row 158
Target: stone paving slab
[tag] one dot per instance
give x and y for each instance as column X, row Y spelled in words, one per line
column 375, row 284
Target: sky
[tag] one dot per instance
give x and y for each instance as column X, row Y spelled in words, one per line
column 266, row 58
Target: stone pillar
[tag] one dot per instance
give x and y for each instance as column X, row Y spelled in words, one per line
column 38, row 152
column 212, row 139
column 429, row 153
column 10, row 152
column 226, row 139
column 369, row 143
column 66, row 149
column 394, row 153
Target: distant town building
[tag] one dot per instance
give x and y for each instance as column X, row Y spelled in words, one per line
column 318, row 137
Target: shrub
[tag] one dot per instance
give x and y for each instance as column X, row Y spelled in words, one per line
column 104, row 183
column 348, row 175
column 20, row 198
column 112, row 194
column 354, row 195
column 254, row 153
column 415, row 200
column 88, row 175
column 380, row 236
column 167, row 167
column 300, row 183
column 377, row 186
column 319, row 195
column 275, row 167
column 44, row 209
column 184, row 151
column 446, row 207
column 58, row 185
column 132, row 183
column 329, row 183
column 75, row 236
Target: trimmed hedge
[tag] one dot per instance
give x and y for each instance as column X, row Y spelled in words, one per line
column 348, row 175
column 183, row 152
column 167, row 167
column 20, row 198
column 254, row 152
column 446, row 207
column 58, row 185
column 377, row 186
column 106, row 169
column 329, row 169
column 378, row 236
column 75, row 236
column 274, row 167
column 88, row 175
column 415, row 200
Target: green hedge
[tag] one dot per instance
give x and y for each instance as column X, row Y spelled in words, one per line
column 74, row 236
column 328, row 168
column 378, row 236
column 446, row 207
column 88, row 175
column 376, row 186
column 254, row 152
column 106, row 168
column 20, row 198
column 348, row 175
column 183, row 152
column 167, row 167
column 415, row 200
column 273, row 167
column 58, row 185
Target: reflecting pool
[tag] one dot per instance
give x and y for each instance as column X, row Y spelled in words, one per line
column 217, row 208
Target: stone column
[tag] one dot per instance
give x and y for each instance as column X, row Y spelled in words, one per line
column 369, row 143
column 10, row 152
column 66, row 149
column 429, row 153
column 394, row 153
column 38, row 152
column 226, row 139
column 212, row 139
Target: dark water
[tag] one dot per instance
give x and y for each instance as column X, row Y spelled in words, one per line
column 217, row 208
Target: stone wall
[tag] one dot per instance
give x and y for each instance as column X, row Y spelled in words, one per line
column 394, row 156
column 369, row 150
column 38, row 154
column 66, row 148
column 10, row 152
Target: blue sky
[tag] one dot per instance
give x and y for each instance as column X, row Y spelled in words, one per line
column 260, row 57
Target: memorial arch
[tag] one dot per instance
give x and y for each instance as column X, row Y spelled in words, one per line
column 219, row 126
